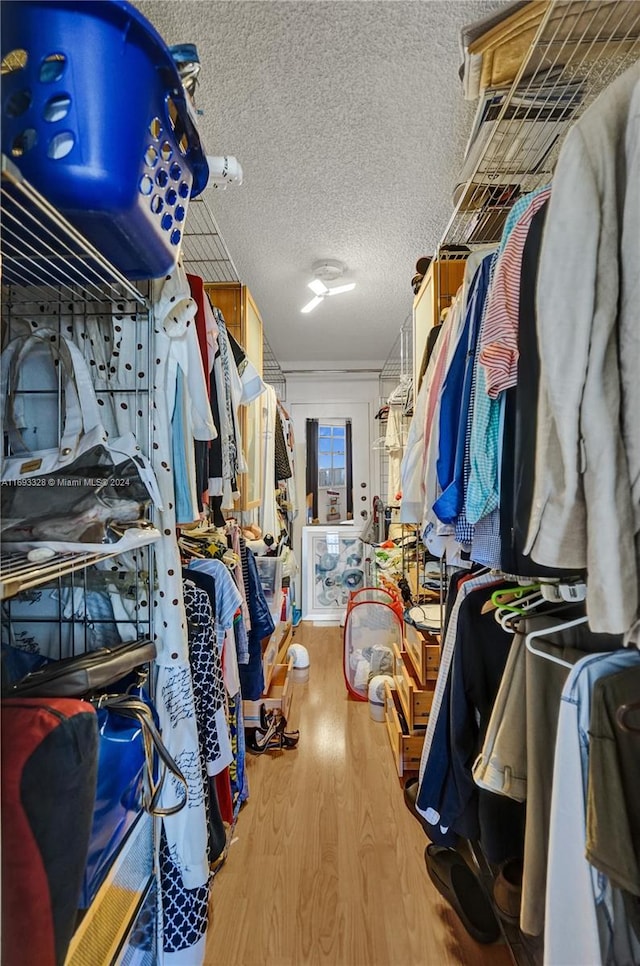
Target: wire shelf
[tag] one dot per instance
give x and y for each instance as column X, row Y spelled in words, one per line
column 41, row 250
column 578, row 48
column 399, row 362
column 18, row 573
column 53, row 278
column 272, row 372
column 204, row 252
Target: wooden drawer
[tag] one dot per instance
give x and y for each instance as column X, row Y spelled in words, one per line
column 423, row 650
column 270, row 660
column 283, row 634
column 274, row 650
column 406, row 748
column 276, row 698
column 416, row 701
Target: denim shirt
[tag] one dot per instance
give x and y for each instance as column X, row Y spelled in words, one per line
column 579, row 917
column 455, row 401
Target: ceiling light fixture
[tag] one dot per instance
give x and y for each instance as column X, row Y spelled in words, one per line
column 310, row 306
column 327, row 270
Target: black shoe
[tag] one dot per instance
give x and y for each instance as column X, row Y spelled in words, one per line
column 410, row 794
column 259, row 740
column 462, row 889
column 288, row 739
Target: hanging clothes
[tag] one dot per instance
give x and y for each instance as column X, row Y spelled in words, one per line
column 613, row 826
column 207, row 331
column 262, row 626
column 283, row 469
column 289, row 500
column 587, row 484
column 206, row 325
column 226, row 459
column 268, row 511
column 455, row 402
column 580, row 921
column 228, row 602
column 395, row 441
column 448, row 797
column 185, row 910
column 115, row 344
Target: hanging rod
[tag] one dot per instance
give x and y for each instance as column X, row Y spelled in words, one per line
column 341, row 372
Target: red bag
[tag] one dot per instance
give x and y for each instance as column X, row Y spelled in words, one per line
column 49, row 767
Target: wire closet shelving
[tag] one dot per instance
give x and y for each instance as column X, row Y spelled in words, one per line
column 205, row 253
column 576, row 48
column 45, row 261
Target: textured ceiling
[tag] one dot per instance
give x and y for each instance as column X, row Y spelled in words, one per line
column 350, row 125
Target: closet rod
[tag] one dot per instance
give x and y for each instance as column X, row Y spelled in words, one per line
column 348, row 372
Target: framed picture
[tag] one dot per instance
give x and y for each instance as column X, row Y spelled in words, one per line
column 332, row 568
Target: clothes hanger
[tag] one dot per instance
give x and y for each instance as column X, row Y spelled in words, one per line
column 507, row 594
column 622, row 714
column 522, row 608
column 190, row 550
column 505, row 597
column 544, row 632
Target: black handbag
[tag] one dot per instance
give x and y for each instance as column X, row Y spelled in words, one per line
column 77, row 677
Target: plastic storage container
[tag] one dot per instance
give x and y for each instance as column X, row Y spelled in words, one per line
column 270, row 573
column 377, row 696
column 95, row 116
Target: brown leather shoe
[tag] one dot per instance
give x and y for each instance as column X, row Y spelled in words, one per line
column 507, row 891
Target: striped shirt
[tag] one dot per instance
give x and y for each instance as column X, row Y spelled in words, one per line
column 499, row 340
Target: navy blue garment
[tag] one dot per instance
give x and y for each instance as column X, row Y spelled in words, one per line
column 455, row 400
column 204, row 581
column 517, row 469
column 251, row 674
column 455, row 807
column 479, row 658
column 435, row 775
column 437, row 767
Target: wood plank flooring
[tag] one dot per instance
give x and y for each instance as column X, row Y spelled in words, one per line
column 327, row 864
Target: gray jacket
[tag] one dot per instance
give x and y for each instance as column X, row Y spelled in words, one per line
column 586, row 509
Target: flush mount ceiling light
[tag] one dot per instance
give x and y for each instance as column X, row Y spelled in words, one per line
column 327, row 270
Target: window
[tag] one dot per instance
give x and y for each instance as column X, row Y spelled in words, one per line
column 331, row 456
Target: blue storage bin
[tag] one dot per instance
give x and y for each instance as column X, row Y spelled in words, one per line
column 95, row 116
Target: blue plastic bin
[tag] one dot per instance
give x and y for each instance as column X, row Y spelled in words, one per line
column 95, row 116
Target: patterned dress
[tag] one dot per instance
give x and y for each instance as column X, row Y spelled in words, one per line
column 185, row 910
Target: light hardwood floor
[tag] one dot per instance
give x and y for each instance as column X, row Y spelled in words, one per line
column 327, row 864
